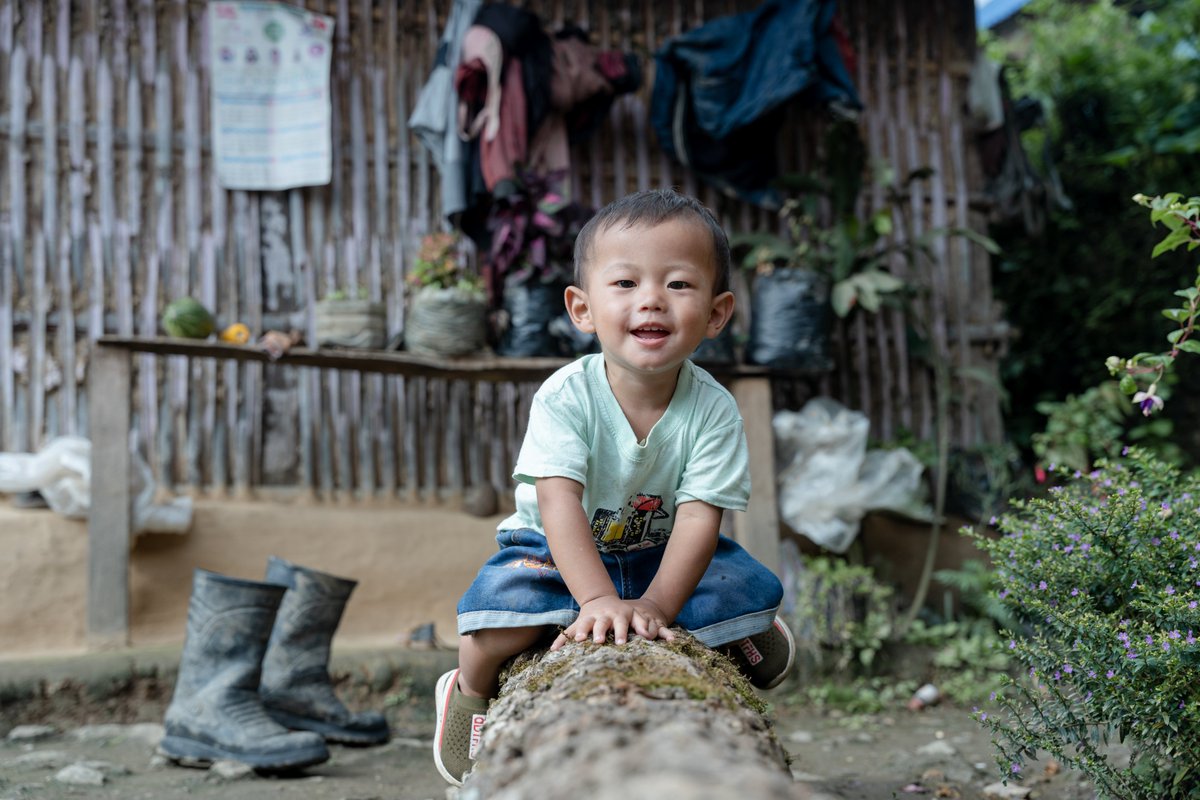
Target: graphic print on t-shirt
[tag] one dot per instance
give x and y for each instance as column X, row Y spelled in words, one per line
column 630, row 528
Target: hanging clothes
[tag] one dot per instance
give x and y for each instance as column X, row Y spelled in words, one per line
column 524, row 97
column 434, row 118
column 720, row 90
column 584, row 83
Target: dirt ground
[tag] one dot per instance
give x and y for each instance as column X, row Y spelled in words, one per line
column 937, row 752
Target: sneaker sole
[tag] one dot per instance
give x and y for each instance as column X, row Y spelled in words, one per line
column 195, row 753
column 791, row 643
column 331, row 732
column 445, row 686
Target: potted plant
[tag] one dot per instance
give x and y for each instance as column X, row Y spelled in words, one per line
column 529, row 264
column 447, row 308
column 831, row 259
column 342, row 320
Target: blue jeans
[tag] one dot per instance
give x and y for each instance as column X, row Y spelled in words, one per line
column 521, row 587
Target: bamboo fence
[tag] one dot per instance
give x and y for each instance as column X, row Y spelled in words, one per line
column 109, row 208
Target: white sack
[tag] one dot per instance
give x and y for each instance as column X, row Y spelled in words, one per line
column 827, row 478
column 62, row 471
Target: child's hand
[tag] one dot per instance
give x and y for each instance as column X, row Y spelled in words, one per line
column 604, row 614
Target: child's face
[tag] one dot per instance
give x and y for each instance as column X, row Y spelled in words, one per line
column 648, row 295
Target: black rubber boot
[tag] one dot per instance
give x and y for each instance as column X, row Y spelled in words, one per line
column 216, row 712
column 295, row 687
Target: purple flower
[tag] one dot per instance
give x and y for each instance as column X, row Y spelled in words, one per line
column 1166, row 646
column 1148, row 401
column 1091, row 673
column 1173, row 634
column 1149, row 639
column 1016, row 768
column 1192, row 605
column 1067, row 668
column 1110, row 674
column 1042, row 585
column 1075, row 593
column 1170, row 590
column 1012, row 644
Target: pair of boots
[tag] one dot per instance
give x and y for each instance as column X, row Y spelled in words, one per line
column 253, row 681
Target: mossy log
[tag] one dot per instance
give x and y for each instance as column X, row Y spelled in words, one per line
column 647, row 719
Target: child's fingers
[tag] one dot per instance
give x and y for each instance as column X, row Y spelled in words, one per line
column 641, row 625
column 620, row 630
column 666, row 634
column 601, row 629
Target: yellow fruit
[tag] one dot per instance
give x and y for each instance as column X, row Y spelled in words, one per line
column 237, row 333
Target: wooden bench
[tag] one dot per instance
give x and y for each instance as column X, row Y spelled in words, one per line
column 110, row 408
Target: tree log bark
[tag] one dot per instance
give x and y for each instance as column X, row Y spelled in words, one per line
column 646, row 719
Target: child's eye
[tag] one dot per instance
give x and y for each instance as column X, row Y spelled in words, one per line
column 678, row 285
column 625, row 284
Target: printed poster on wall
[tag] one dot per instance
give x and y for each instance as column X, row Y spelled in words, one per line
column 270, row 94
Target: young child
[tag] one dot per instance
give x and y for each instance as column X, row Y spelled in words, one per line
column 630, row 458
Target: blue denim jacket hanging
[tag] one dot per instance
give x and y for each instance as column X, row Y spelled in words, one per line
column 720, row 90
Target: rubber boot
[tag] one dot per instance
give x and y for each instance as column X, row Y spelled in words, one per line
column 216, row 712
column 295, row 687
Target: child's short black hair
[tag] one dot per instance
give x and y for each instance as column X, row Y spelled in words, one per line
column 650, row 208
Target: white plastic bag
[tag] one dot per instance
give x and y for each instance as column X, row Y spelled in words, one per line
column 827, row 478
column 62, row 472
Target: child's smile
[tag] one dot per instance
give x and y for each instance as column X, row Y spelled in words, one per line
column 648, row 296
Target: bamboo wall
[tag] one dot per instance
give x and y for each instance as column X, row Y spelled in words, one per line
column 109, row 208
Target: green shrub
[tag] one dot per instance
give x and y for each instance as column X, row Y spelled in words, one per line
column 842, row 615
column 1104, row 575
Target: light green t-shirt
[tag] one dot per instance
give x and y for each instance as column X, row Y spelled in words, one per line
column 631, row 489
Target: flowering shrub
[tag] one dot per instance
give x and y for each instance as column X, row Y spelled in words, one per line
column 1104, row 574
column 1181, row 217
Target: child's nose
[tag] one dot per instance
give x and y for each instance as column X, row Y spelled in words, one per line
column 651, row 297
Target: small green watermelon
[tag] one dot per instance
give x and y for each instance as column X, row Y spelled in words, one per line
column 188, row 319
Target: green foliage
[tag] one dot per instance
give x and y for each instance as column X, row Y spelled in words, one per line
column 976, row 585
column 1181, row 218
column 1121, row 93
column 843, row 614
column 359, row 293
column 1103, row 575
column 1096, row 424
column 439, row 265
column 853, row 253
column 860, row 695
column 1083, row 427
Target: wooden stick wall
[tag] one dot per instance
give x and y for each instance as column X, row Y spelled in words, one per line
column 109, row 208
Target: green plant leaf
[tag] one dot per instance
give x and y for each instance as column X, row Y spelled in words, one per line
column 1189, row 346
column 842, row 297
column 1174, row 239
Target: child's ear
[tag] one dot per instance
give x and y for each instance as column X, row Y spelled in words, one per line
column 722, row 311
column 579, row 309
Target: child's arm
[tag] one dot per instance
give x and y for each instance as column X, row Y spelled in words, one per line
column 560, row 502
column 689, row 551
